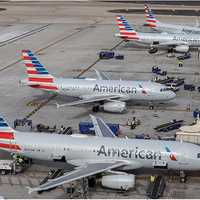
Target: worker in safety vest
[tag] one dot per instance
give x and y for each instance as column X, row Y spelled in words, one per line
column 152, row 178
column 180, row 62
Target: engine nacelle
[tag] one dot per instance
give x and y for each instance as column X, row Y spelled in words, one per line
column 119, row 181
column 182, row 48
column 114, row 106
column 153, row 50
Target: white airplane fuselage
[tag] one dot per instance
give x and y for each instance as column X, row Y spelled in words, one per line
column 77, row 149
column 127, row 90
column 192, row 40
column 174, row 28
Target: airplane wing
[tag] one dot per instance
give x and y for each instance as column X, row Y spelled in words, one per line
column 101, row 128
column 78, row 173
column 90, row 100
column 171, row 43
column 101, row 75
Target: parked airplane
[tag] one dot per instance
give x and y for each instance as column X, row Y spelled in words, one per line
column 111, row 93
column 164, row 27
column 101, row 153
column 179, row 42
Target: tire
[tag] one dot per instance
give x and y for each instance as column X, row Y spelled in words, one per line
column 152, row 50
column 3, row 172
column 95, row 109
column 182, row 180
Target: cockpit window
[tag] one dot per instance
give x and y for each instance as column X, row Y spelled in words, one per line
column 198, row 155
column 140, row 86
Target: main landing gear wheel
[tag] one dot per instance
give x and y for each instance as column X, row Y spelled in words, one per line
column 95, row 108
column 153, row 50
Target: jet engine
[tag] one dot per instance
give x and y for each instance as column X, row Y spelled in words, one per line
column 182, row 48
column 119, row 181
column 153, row 50
column 114, row 106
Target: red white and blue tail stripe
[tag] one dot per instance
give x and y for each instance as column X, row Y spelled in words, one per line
column 7, row 137
column 150, row 17
column 38, row 76
column 126, row 31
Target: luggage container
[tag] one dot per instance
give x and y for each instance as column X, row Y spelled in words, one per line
column 88, row 128
column 119, row 57
column 106, row 54
column 155, row 69
column 196, row 113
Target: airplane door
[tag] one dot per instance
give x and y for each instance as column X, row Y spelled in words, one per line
column 160, row 164
column 58, row 154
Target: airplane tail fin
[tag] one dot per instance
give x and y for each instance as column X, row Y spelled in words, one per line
column 150, row 17
column 38, row 76
column 7, row 135
column 126, row 31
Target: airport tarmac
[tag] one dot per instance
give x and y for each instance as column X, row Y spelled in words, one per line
column 67, row 37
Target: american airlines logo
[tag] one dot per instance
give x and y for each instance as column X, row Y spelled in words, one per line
column 111, row 88
column 172, row 156
column 129, row 153
column 185, row 39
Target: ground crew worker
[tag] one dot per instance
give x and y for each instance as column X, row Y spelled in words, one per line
column 61, row 129
column 133, row 125
column 152, row 178
column 20, row 160
column 188, row 107
column 128, row 122
column 180, row 62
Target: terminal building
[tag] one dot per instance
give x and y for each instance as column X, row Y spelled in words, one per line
column 189, row 133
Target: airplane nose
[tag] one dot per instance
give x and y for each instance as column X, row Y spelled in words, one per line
column 171, row 95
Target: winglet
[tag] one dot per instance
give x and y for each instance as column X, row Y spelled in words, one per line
column 30, row 189
column 101, row 128
column 57, row 105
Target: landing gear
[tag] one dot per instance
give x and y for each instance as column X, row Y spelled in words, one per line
column 153, row 50
column 95, row 108
column 151, row 106
column 170, row 53
column 183, row 177
column 62, row 159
